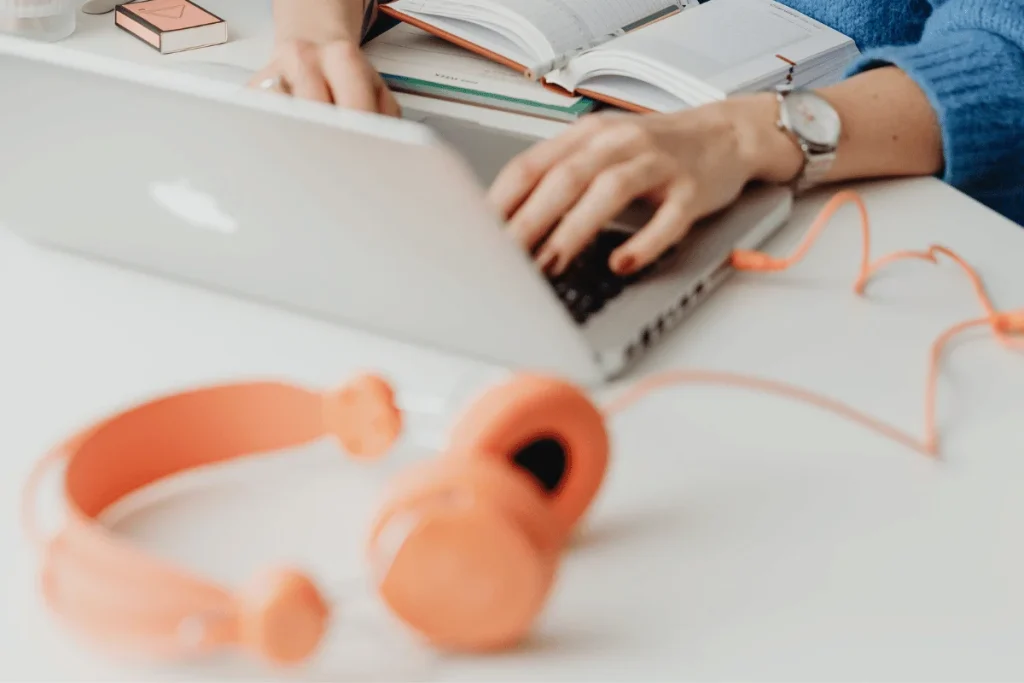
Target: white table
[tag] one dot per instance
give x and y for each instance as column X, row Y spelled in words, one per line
column 739, row 537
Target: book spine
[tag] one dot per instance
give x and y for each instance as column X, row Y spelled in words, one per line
column 541, row 70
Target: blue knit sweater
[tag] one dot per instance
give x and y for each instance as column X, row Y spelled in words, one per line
column 968, row 58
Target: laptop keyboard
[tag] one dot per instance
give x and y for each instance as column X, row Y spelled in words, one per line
column 587, row 285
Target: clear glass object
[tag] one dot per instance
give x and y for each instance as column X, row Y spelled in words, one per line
column 44, row 20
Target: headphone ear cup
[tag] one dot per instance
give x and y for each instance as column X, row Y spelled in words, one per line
column 508, row 489
column 547, row 428
column 465, row 553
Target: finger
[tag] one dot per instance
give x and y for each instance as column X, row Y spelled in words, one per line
column 261, row 76
column 520, row 176
column 560, row 189
column 352, row 81
column 670, row 223
column 298, row 63
column 608, row 196
column 300, row 67
column 269, row 79
column 387, row 104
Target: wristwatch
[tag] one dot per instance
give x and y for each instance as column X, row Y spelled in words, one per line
column 815, row 126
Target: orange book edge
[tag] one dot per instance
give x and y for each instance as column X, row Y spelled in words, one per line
column 505, row 61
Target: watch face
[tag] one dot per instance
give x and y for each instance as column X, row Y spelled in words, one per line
column 813, row 119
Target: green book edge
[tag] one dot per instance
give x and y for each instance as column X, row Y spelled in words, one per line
column 582, row 107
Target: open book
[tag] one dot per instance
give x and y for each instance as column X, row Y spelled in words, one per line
column 644, row 55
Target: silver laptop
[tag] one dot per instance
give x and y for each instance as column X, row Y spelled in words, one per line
column 372, row 222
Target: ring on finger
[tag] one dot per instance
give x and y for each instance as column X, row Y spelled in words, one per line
column 275, row 83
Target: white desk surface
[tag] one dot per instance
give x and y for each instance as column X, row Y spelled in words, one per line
column 739, row 537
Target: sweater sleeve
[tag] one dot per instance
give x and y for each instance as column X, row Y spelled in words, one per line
column 970, row 64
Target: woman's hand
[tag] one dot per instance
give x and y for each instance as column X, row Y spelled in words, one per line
column 318, row 55
column 336, row 71
column 560, row 193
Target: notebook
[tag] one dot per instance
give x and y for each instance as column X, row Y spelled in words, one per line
column 643, row 55
column 413, row 61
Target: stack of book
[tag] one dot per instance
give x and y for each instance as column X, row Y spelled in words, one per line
column 641, row 55
column 414, row 61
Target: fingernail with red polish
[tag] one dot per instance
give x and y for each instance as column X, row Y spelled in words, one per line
column 547, row 261
column 557, row 266
column 624, row 265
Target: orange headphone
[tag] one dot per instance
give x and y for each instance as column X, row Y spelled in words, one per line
column 466, row 548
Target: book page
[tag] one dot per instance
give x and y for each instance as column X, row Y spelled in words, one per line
column 714, row 50
column 719, row 35
column 572, row 24
column 546, row 29
column 635, row 92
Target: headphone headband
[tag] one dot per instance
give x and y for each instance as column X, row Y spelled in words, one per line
column 213, row 425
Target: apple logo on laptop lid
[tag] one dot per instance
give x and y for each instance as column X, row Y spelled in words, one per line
column 195, row 207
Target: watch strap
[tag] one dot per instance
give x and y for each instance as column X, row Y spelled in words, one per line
column 816, row 167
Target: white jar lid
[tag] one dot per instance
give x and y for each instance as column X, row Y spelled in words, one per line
column 26, row 9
